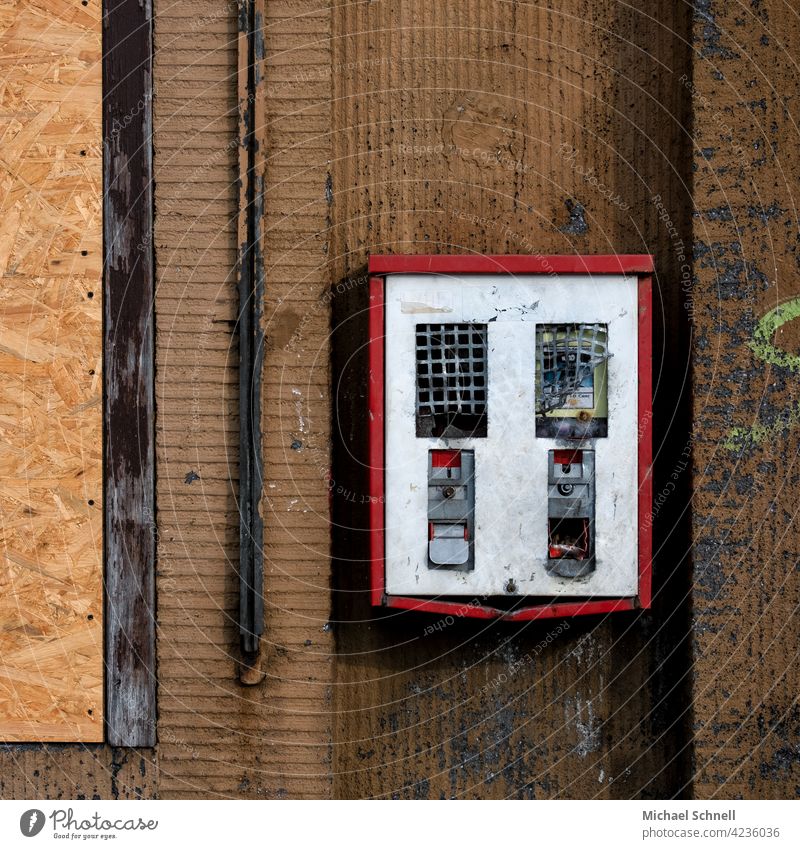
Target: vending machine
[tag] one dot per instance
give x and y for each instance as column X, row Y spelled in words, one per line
column 510, row 434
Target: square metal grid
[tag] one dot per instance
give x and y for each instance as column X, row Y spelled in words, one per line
column 451, row 369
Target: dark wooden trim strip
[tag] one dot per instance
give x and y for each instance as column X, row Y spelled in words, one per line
column 251, row 336
column 129, row 405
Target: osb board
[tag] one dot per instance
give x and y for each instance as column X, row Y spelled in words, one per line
column 746, row 592
column 509, row 128
column 51, row 631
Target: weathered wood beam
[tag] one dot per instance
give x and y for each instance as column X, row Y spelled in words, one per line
column 130, row 531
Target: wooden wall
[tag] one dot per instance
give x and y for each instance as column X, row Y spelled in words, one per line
column 511, row 128
column 411, row 126
column 744, row 301
column 196, row 394
column 51, row 603
column 216, row 737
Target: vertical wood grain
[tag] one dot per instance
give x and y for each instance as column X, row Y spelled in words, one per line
column 746, row 592
column 506, row 128
column 129, row 397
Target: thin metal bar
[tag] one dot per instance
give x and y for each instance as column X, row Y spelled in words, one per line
column 251, row 338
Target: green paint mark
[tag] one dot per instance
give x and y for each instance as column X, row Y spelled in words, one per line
column 748, row 437
column 762, row 346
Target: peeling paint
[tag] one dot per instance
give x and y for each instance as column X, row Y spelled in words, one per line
column 576, row 226
column 586, row 724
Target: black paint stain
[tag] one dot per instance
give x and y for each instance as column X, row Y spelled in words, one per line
column 576, row 226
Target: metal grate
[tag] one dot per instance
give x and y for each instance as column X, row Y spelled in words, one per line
column 451, row 374
column 567, row 354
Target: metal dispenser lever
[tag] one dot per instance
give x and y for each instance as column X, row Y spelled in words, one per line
column 570, row 511
column 451, row 508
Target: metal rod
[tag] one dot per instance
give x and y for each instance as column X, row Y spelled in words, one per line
column 251, row 337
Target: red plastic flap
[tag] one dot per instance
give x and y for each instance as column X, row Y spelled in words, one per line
column 446, row 459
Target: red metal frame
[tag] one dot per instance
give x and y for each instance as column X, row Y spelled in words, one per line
column 379, row 266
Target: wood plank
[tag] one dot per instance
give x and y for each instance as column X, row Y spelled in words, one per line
column 51, row 613
column 199, row 545
column 129, row 403
column 745, row 592
column 452, row 126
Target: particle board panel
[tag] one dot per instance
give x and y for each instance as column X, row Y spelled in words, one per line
column 744, row 300
column 51, row 566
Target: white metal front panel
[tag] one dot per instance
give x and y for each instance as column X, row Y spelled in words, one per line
column 510, row 462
